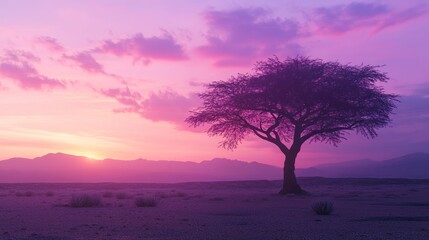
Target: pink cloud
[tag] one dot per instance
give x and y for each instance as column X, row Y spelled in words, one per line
column 347, row 17
column 49, row 43
column 144, row 49
column 18, row 55
column 16, row 66
column 131, row 100
column 85, row 61
column 239, row 36
column 165, row 106
column 169, row 106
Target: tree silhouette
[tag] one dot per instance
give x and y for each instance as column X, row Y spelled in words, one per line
column 293, row 101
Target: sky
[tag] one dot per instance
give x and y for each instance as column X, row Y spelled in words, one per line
column 116, row 79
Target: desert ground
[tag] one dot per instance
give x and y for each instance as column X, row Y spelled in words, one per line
column 363, row 209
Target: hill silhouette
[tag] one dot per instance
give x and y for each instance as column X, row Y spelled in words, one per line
column 415, row 165
column 60, row 167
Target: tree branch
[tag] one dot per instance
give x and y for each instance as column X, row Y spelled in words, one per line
column 328, row 130
column 259, row 131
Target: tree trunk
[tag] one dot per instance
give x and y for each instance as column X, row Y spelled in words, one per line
column 290, row 185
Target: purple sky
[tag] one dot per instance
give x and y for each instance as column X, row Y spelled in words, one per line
column 117, row 78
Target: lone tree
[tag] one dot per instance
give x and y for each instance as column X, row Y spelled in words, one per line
column 293, row 101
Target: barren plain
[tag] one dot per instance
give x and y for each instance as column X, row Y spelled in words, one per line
column 363, row 209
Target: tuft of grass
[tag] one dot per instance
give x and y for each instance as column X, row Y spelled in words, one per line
column 146, row 202
column 84, row 201
column 323, row 207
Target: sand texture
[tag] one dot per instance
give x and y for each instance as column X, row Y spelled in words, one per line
column 364, row 209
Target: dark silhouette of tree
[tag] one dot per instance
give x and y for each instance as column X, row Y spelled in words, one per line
column 293, row 101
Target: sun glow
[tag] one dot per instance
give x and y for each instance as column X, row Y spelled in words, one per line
column 88, row 154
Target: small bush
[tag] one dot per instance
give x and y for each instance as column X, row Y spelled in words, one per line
column 323, row 207
column 146, row 202
column 85, row 200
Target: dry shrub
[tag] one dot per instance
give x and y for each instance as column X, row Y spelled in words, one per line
column 85, row 200
column 323, row 207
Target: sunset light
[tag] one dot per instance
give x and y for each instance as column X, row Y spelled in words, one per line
column 90, row 155
column 125, row 91
column 125, row 84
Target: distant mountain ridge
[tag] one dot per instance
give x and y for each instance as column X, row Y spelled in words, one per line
column 60, row 167
column 415, row 165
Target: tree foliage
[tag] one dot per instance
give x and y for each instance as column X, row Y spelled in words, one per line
column 289, row 102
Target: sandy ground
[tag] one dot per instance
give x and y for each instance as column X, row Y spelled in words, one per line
column 364, row 209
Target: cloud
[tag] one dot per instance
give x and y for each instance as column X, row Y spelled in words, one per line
column 165, row 106
column 130, row 99
column 402, row 17
column 239, row 36
column 169, row 106
column 144, row 49
column 85, row 61
column 347, row 17
column 49, row 43
column 17, row 66
column 18, row 55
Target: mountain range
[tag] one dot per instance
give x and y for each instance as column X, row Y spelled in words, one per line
column 60, row 167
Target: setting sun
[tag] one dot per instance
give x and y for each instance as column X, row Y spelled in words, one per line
column 89, row 154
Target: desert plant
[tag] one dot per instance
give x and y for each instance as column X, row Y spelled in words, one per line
column 85, row 200
column 323, row 207
column 146, row 202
